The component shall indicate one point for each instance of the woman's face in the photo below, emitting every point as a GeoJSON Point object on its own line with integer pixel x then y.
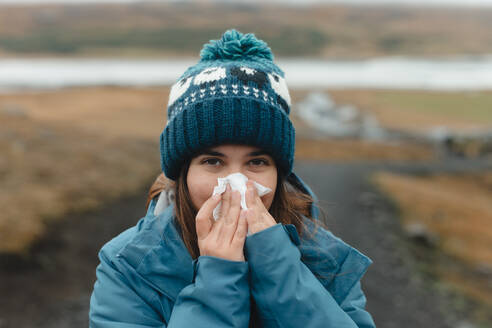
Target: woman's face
{"type": "Point", "coordinates": [220, 161]}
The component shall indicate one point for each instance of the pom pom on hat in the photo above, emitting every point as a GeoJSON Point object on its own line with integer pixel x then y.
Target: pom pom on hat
{"type": "Point", "coordinates": [236, 45]}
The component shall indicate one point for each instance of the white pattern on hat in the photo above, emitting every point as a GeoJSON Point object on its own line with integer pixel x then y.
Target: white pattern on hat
{"type": "Point", "coordinates": [178, 89]}
{"type": "Point", "coordinates": [247, 70]}
{"type": "Point", "coordinates": [278, 84]}
{"type": "Point", "coordinates": [209, 75]}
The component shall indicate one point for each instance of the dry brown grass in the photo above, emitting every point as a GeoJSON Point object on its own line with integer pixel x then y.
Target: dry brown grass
{"type": "Point", "coordinates": [357, 150]}
{"type": "Point", "coordinates": [72, 150]}
{"type": "Point", "coordinates": [76, 148]}
{"type": "Point", "coordinates": [458, 209]}
{"type": "Point", "coordinates": [112, 111]}
{"type": "Point", "coordinates": [48, 169]}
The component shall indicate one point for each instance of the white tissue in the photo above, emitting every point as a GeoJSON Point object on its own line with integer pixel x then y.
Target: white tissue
{"type": "Point", "coordinates": [237, 181]}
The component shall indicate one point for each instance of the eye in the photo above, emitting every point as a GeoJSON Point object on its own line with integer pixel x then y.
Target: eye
{"type": "Point", "coordinates": [259, 162]}
{"type": "Point", "coordinates": [211, 161]}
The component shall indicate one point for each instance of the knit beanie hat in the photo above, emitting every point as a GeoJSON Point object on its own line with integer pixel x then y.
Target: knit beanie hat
{"type": "Point", "coordinates": [234, 94]}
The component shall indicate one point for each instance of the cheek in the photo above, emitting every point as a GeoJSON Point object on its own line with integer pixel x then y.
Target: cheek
{"type": "Point", "coordinates": [268, 199]}
{"type": "Point", "coordinates": [200, 187]}
{"type": "Point", "coordinates": [269, 181]}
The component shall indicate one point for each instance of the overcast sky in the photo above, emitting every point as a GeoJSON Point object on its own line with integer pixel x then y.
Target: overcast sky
{"type": "Point", "coordinates": [465, 3]}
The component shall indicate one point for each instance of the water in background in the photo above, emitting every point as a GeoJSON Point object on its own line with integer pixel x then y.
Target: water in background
{"type": "Point", "coordinates": [453, 73]}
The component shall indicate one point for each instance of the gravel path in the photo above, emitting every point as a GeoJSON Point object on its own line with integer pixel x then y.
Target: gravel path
{"type": "Point", "coordinates": [53, 288]}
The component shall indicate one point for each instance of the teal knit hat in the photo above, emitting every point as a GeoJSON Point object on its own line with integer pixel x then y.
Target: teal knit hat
{"type": "Point", "coordinates": [234, 94]}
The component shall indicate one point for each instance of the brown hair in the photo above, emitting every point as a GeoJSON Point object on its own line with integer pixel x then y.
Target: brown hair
{"type": "Point", "coordinates": [288, 207]}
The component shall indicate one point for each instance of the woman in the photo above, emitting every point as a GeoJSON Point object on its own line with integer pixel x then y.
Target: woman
{"type": "Point", "coordinates": [179, 267]}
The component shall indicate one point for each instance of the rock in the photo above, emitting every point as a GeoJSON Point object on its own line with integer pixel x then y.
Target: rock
{"type": "Point", "coordinates": [347, 113]}
{"type": "Point", "coordinates": [439, 133]}
{"type": "Point", "coordinates": [320, 111]}
{"type": "Point", "coordinates": [419, 232]}
{"type": "Point", "coordinates": [371, 130]}
{"type": "Point", "coordinates": [368, 199]}
{"type": "Point", "coordinates": [465, 324]}
{"type": "Point", "coordinates": [484, 269]}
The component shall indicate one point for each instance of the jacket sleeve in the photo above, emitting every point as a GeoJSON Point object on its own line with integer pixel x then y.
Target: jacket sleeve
{"type": "Point", "coordinates": [218, 297]}
{"type": "Point", "coordinates": [289, 295]}
{"type": "Point", "coordinates": [354, 305]}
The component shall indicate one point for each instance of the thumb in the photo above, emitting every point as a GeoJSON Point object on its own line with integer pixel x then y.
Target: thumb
{"type": "Point", "coordinates": [203, 221]}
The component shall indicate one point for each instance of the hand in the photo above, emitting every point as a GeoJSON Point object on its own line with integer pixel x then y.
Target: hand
{"type": "Point", "coordinates": [257, 215]}
{"type": "Point", "coordinates": [225, 237]}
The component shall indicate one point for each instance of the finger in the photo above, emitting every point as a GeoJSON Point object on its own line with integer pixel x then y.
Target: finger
{"type": "Point", "coordinates": [255, 202]}
{"type": "Point", "coordinates": [203, 220]}
{"type": "Point", "coordinates": [241, 230]}
{"type": "Point", "coordinates": [226, 204]}
{"type": "Point", "coordinates": [226, 201]}
{"type": "Point", "coordinates": [251, 204]}
{"type": "Point", "coordinates": [229, 225]}
{"type": "Point", "coordinates": [252, 219]}
{"type": "Point", "coordinates": [235, 208]}
{"type": "Point", "coordinates": [250, 197]}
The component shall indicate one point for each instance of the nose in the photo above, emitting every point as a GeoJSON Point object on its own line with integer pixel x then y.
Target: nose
{"type": "Point", "coordinates": [235, 168]}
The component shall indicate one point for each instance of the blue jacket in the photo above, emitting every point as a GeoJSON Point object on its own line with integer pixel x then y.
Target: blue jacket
{"type": "Point", "coordinates": [147, 278]}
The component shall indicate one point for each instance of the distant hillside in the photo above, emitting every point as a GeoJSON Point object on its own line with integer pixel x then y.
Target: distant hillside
{"type": "Point", "coordinates": [180, 29]}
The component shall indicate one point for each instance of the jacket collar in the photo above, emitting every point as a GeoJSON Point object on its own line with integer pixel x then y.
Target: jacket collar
{"type": "Point", "coordinates": [158, 254]}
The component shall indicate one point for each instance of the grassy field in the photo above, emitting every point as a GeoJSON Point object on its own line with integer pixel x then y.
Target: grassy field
{"type": "Point", "coordinates": [75, 149]}
{"type": "Point", "coordinates": [71, 151]}
{"type": "Point", "coordinates": [176, 29]}
{"type": "Point", "coordinates": [355, 150]}
{"type": "Point", "coordinates": [458, 211]}
{"type": "Point", "coordinates": [419, 111]}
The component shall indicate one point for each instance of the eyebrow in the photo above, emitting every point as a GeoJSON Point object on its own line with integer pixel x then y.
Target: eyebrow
{"type": "Point", "coordinates": [216, 153]}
